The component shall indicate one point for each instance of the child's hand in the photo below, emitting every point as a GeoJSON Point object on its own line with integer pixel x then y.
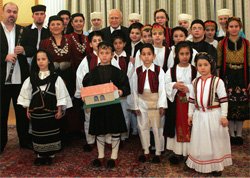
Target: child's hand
{"type": "Point", "coordinates": [190, 121]}
{"type": "Point", "coordinates": [178, 85]}
{"type": "Point", "coordinates": [59, 113]}
{"type": "Point", "coordinates": [162, 111]}
{"type": "Point", "coordinates": [224, 121]}
{"type": "Point", "coordinates": [28, 113]}
{"type": "Point", "coordinates": [132, 60]}
{"type": "Point", "coordinates": [184, 89]}
{"type": "Point", "coordinates": [83, 99]}
{"type": "Point", "coordinates": [138, 112]}
{"type": "Point", "coordinates": [120, 92]}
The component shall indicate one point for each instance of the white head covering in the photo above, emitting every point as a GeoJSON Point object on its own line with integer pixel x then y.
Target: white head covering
{"type": "Point", "coordinates": [134, 16]}
{"type": "Point", "coordinates": [224, 12]}
{"type": "Point", "coordinates": [95, 15]}
{"type": "Point", "coordinates": [185, 17]}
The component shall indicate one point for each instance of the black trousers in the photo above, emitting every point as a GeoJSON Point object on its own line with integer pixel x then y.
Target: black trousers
{"type": "Point", "coordinates": [9, 92]}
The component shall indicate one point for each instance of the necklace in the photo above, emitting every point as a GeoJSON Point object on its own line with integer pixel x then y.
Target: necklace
{"type": "Point", "coordinates": [80, 47]}
{"type": "Point", "coordinates": [60, 51]}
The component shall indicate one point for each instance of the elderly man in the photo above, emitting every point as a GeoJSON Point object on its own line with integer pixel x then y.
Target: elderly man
{"type": "Point", "coordinates": [14, 70]}
{"type": "Point", "coordinates": [35, 32]}
{"type": "Point", "coordinates": [115, 20]}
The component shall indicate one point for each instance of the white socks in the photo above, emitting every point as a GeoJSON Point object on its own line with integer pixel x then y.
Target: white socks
{"type": "Point", "coordinates": [235, 126]}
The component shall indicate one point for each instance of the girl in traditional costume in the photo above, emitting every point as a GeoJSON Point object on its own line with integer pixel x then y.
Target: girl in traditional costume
{"type": "Point", "coordinates": [233, 63]}
{"type": "Point", "coordinates": [210, 149]}
{"type": "Point", "coordinates": [178, 85]}
{"type": "Point", "coordinates": [46, 98]}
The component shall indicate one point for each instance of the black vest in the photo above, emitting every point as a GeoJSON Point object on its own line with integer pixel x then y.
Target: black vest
{"type": "Point", "coordinates": [44, 100]}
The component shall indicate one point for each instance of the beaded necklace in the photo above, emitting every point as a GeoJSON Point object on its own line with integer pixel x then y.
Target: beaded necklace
{"type": "Point", "coordinates": [60, 51]}
{"type": "Point", "coordinates": [80, 47]}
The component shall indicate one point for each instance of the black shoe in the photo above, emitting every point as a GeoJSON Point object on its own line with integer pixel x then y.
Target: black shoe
{"type": "Point", "coordinates": [186, 168]}
{"type": "Point", "coordinates": [48, 161]}
{"type": "Point", "coordinates": [111, 163]}
{"type": "Point", "coordinates": [143, 158]}
{"type": "Point", "coordinates": [156, 159]}
{"type": "Point", "coordinates": [233, 140]}
{"type": "Point", "coordinates": [39, 161]}
{"type": "Point", "coordinates": [175, 159]}
{"type": "Point", "coordinates": [97, 163]}
{"type": "Point", "coordinates": [216, 173]}
{"type": "Point", "coordinates": [87, 148]}
{"type": "Point", "coordinates": [27, 146]}
{"type": "Point", "coordinates": [239, 141]}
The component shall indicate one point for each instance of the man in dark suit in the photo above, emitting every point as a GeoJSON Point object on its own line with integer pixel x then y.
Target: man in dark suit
{"type": "Point", "coordinates": [35, 32]}
{"type": "Point", "coordinates": [11, 53]}
{"type": "Point", "coordinates": [115, 20]}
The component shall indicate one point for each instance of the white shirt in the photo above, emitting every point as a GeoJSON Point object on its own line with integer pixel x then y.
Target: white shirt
{"type": "Point", "coordinates": [133, 47]}
{"type": "Point", "coordinates": [11, 37]}
{"type": "Point", "coordinates": [137, 102]}
{"type": "Point", "coordinates": [112, 29]}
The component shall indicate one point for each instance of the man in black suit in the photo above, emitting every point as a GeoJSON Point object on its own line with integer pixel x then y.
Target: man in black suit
{"type": "Point", "coordinates": [35, 32]}
{"type": "Point", "coordinates": [115, 20]}
{"type": "Point", "coordinates": [11, 52]}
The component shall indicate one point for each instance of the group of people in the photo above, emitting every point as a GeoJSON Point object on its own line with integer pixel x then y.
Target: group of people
{"type": "Point", "coordinates": [167, 79]}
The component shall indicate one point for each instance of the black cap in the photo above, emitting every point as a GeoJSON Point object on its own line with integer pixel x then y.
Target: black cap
{"type": "Point", "coordinates": [38, 8]}
{"type": "Point", "coordinates": [62, 12]}
{"type": "Point", "coordinates": [53, 18]}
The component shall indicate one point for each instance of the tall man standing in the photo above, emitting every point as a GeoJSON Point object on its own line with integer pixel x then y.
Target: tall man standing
{"type": "Point", "coordinates": [12, 61]}
{"type": "Point", "coordinates": [35, 32]}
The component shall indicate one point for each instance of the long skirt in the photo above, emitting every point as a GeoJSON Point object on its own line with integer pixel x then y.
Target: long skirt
{"type": "Point", "coordinates": [210, 148]}
{"type": "Point", "coordinates": [45, 133]}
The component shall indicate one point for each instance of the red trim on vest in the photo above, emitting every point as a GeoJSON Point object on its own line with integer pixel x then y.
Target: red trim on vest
{"type": "Point", "coordinates": [152, 77]}
{"type": "Point", "coordinates": [93, 61]}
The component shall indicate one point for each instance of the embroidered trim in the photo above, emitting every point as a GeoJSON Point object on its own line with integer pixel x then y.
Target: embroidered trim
{"type": "Point", "coordinates": [223, 100]}
{"type": "Point", "coordinates": [211, 161]}
{"type": "Point", "coordinates": [80, 47]}
{"type": "Point", "coordinates": [60, 51]}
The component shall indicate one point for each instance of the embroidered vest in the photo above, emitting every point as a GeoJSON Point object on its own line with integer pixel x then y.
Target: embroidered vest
{"type": "Point", "coordinates": [92, 61]}
{"type": "Point", "coordinates": [213, 100]}
{"type": "Point", "coordinates": [224, 44]}
{"type": "Point", "coordinates": [44, 100]}
{"type": "Point", "coordinates": [152, 78]}
{"type": "Point", "coordinates": [123, 63]}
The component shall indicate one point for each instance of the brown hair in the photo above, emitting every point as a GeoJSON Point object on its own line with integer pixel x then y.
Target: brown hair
{"type": "Point", "coordinates": [237, 19]}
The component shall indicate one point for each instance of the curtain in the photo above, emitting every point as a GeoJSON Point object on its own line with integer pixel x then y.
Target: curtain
{"type": "Point", "coordinates": [202, 9]}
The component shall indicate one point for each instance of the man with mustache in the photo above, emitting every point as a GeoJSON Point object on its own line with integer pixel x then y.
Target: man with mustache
{"type": "Point", "coordinates": [12, 52]}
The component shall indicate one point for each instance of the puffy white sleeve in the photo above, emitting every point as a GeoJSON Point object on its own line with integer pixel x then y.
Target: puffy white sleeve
{"type": "Point", "coordinates": [170, 91]}
{"type": "Point", "coordinates": [171, 59]}
{"type": "Point", "coordinates": [223, 99]}
{"type": "Point", "coordinates": [162, 101]}
{"type": "Point", "coordinates": [138, 61]}
{"type": "Point", "coordinates": [82, 70]}
{"type": "Point", "coordinates": [134, 92]}
{"type": "Point", "coordinates": [194, 54]}
{"type": "Point", "coordinates": [25, 95]}
{"type": "Point", "coordinates": [131, 70]}
{"type": "Point", "coordinates": [62, 94]}
{"type": "Point", "coordinates": [191, 105]}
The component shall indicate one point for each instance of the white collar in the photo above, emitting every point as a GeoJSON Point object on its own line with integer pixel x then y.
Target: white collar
{"type": "Point", "coordinates": [43, 74]}
{"type": "Point", "coordinates": [5, 28]}
{"type": "Point", "coordinates": [112, 29]}
{"type": "Point", "coordinates": [34, 26]}
{"type": "Point", "coordinates": [152, 67]}
{"type": "Point", "coordinates": [122, 54]}
{"type": "Point", "coordinates": [134, 44]}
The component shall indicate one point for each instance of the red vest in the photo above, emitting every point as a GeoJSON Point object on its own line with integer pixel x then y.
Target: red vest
{"type": "Point", "coordinates": [152, 78]}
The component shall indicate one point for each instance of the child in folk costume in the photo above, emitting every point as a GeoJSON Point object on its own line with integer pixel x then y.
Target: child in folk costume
{"type": "Point", "coordinates": [233, 63]}
{"type": "Point", "coordinates": [149, 102]}
{"type": "Point", "coordinates": [178, 85]}
{"type": "Point", "coordinates": [88, 64]}
{"type": "Point", "coordinates": [178, 34]}
{"type": "Point", "coordinates": [107, 119]}
{"type": "Point", "coordinates": [146, 35]}
{"type": "Point", "coordinates": [210, 32]}
{"type": "Point", "coordinates": [210, 149]}
{"type": "Point", "coordinates": [120, 55]}
{"type": "Point", "coordinates": [161, 50]}
{"type": "Point", "coordinates": [46, 98]}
